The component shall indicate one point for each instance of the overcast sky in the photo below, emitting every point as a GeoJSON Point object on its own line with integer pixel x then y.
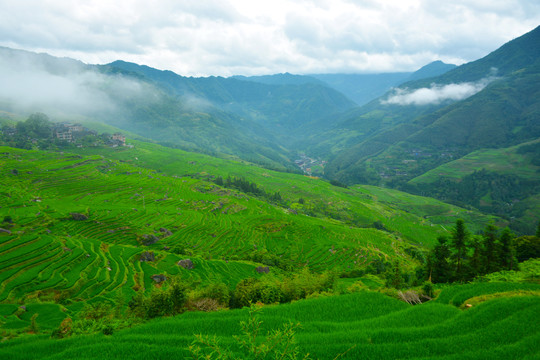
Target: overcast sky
{"type": "Point", "coordinates": [252, 37]}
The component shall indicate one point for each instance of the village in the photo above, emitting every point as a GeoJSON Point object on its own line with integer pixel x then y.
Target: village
{"type": "Point", "coordinates": [310, 166]}
{"type": "Point", "coordinates": [73, 132]}
{"type": "Point", "coordinates": [38, 132]}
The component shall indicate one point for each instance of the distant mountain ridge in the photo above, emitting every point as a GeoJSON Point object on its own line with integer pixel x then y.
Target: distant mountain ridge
{"type": "Point", "coordinates": [361, 88]}
{"type": "Point", "coordinates": [392, 143]}
{"type": "Point", "coordinates": [281, 106]}
{"type": "Point", "coordinates": [495, 116]}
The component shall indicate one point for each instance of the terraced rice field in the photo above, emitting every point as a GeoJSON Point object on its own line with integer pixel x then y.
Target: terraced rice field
{"type": "Point", "coordinates": [50, 256]}
{"type": "Point", "coordinates": [417, 219]}
{"type": "Point", "coordinates": [365, 325]}
{"type": "Point", "coordinates": [52, 264]}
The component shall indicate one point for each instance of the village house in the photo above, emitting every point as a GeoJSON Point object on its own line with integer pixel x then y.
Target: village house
{"type": "Point", "coordinates": [9, 131]}
{"type": "Point", "coordinates": [63, 132]}
{"type": "Point", "coordinates": [119, 139]}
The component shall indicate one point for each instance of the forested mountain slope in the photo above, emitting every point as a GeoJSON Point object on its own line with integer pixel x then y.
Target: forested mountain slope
{"type": "Point", "coordinates": [282, 107]}
{"type": "Point", "coordinates": [416, 128]}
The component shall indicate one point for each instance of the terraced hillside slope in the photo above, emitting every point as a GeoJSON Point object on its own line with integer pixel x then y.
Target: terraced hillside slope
{"type": "Point", "coordinates": [419, 127]}
{"type": "Point", "coordinates": [80, 224]}
{"type": "Point", "coordinates": [363, 325]}
{"type": "Point", "coordinates": [503, 181]}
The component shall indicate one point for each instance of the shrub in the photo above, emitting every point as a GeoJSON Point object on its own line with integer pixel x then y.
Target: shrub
{"type": "Point", "coordinates": [219, 292]}
{"type": "Point", "coordinates": [276, 344]}
{"type": "Point", "coordinates": [107, 330]}
{"type": "Point", "coordinates": [64, 330]}
{"type": "Point", "coordinates": [245, 293]}
{"type": "Point", "coordinates": [428, 289]}
{"type": "Point", "coordinates": [160, 302]}
{"type": "Point", "coordinates": [410, 297]}
{"type": "Point", "coordinates": [357, 286]}
{"type": "Point", "coordinates": [338, 183]}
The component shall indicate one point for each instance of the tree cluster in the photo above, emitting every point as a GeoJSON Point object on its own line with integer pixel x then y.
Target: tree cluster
{"type": "Point", "coordinates": [161, 302]}
{"type": "Point", "coordinates": [38, 131]}
{"type": "Point", "coordinates": [502, 191]}
{"type": "Point", "coordinates": [37, 128]}
{"type": "Point", "coordinates": [248, 187]}
{"type": "Point", "coordinates": [270, 290]}
{"type": "Point", "coordinates": [462, 257]}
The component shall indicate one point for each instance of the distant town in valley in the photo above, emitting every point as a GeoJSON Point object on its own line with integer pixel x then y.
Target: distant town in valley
{"type": "Point", "coordinates": [39, 132]}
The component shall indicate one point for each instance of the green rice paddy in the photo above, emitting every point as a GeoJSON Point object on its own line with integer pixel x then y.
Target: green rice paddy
{"type": "Point", "coordinates": [81, 222]}
{"type": "Point", "coordinates": [369, 325]}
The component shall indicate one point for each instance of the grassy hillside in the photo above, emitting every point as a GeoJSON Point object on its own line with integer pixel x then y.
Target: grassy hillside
{"type": "Point", "coordinates": [501, 181]}
{"type": "Point", "coordinates": [81, 224]}
{"type": "Point", "coordinates": [360, 206]}
{"type": "Point", "coordinates": [362, 325]}
{"type": "Point", "coordinates": [128, 209]}
{"type": "Point", "coordinates": [391, 144]}
{"type": "Point", "coordinates": [506, 161]}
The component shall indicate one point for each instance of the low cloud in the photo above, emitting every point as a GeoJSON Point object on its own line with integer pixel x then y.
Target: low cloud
{"type": "Point", "coordinates": [65, 87]}
{"type": "Point", "coordinates": [436, 93]}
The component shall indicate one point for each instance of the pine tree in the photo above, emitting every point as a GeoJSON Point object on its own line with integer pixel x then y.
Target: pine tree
{"type": "Point", "coordinates": [507, 252]}
{"type": "Point", "coordinates": [459, 243]}
{"type": "Point", "coordinates": [490, 249]}
{"type": "Point", "coordinates": [219, 181]}
{"type": "Point", "coordinates": [441, 269]}
{"type": "Point", "coordinates": [475, 262]}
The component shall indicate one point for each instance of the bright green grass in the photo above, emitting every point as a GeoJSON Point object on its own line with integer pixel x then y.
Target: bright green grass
{"type": "Point", "coordinates": [360, 203]}
{"type": "Point", "coordinates": [218, 222]}
{"type": "Point", "coordinates": [51, 257]}
{"type": "Point", "coordinates": [49, 315]}
{"type": "Point", "coordinates": [373, 325]}
{"type": "Point", "coordinates": [458, 294]}
{"type": "Point", "coordinates": [502, 161]}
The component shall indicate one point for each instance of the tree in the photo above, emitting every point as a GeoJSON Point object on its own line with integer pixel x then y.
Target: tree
{"type": "Point", "coordinates": [245, 292]}
{"type": "Point", "coordinates": [441, 270]}
{"type": "Point", "coordinates": [459, 243]}
{"type": "Point", "coordinates": [160, 302]}
{"type": "Point", "coordinates": [527, 247]}
{"type": "Point", "coordinates": [38, 126]}
{"type": "Point", "coordinates": [476, 265]}
{"type": "Point", "coordinates": [393, 277]}
{"type": "Point", "coordinates": [490, 249]}
{"type": "Point", "coordinates": [507, 252]}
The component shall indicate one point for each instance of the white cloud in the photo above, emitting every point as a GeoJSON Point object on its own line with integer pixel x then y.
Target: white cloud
{"type": "Point", "coordinates": [216, 37]}
{"type": "Point", "coordinates": [31, 85]}
{"type": "Point", "coordinates": [436, 94]}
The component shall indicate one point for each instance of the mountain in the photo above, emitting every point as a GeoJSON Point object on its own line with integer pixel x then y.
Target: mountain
{"type": "Point", "coordinates": [489, 103]}
{"type": "Point", "coordinates": [362, 88]}
{"type": "Point", "coordinates": [281, 79]}
{"type": "Point", "coordinates": [435, 68]}
{"type": "Point", "coordinates": [69, 90]}
{"type": "Point", "coordinates": [403, 113]}
{"type": "Point", "coordinates": [438, 114]}
{"type": "Point", "coordinates": [278, 104]}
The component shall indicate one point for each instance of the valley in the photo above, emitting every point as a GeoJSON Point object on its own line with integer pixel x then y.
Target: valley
{"type": "Point", "coordinates": [146, 214]}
